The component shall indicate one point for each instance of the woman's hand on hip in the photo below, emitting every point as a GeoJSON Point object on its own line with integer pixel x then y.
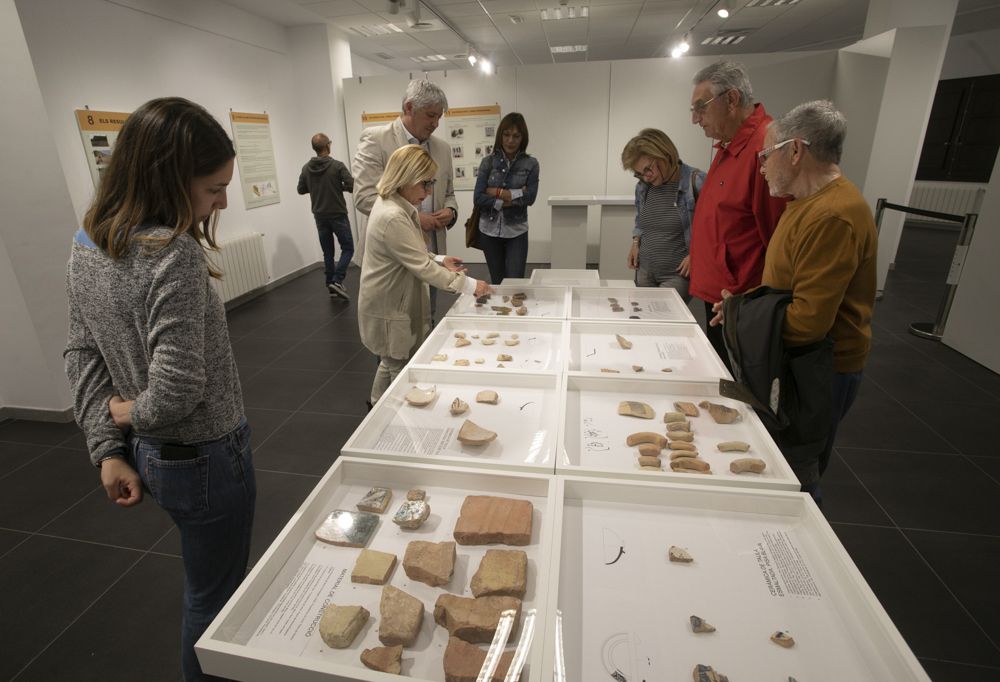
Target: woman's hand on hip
{"type": "Point", "coordinates": [121, 482]}
{"type": "Point", "coordinates": [684, 269]}
{"type": "Point", "coordinates": [121, 412]}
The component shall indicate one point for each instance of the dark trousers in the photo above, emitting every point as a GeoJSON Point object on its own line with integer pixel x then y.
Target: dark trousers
{"type": "Point", "coordinates": [714, 335]}
{"type": "Point", "coordinates": [330, 225]}
{"type": "Point", "coordinates": [845, 388]}
{"type": "Point", "coordinates": [505, 257]}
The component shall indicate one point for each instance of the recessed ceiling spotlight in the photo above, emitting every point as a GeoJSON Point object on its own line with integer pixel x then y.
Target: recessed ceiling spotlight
{"type": "Point", "coordinates": [486, 66]}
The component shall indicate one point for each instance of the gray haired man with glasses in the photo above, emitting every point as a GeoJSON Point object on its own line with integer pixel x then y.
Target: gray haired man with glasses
{"type": "Point", "coordinates": [735, 214]}
{"type": "Point", "coordinates": [823, 251]}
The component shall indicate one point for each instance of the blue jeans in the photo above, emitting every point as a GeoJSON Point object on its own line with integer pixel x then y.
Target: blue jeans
{"type": "Point", "coordinates": [845, 387]}
{"type": "Point", "coordinates": [505, 256]}
{"type": "Point", "coordinates": [330, 225]}
{"type": "Point", "coordinates": [210, 498]}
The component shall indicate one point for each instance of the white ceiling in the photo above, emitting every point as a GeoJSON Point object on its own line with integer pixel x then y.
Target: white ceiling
{"type": "Point", "coordinates": [615, 29]}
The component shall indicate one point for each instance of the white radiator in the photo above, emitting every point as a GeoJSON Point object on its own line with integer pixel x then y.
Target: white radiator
{"type": "Point", "coordinates": [957, 198]}
{"type": "Point", "coordinates": [241, 259]}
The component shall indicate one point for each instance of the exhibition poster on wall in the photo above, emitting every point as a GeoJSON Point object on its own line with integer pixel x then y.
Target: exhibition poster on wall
{"type": "Point", "coordinates": [380, 119]}
{"type": "Point", "coordinates": [470, 131]}
{"type": "Point", "coordinates": [255, 155]}
{"type": "Point", "coordinates": [99, 130]}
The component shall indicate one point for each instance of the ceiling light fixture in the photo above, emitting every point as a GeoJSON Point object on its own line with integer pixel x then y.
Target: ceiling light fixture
{"type": "Point", "coordinates": [486, 66]}
{"type": "Point", "coordinates": [723, 10]}
{"type": "Point", "coordinates": [684, 45]}
{"type": "Point", "coordinates": [472, 59]}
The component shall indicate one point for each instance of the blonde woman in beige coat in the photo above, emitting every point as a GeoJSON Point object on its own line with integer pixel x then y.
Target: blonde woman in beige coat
{"type": "Point", "coordinates": [394, 303]}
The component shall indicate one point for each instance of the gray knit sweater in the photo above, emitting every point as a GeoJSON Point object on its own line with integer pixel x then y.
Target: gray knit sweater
{"type": "Point", "coordinates": [149, 328]}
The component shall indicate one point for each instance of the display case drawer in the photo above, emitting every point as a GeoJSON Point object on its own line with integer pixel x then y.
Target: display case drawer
{"type": "Point", "coordinates": [267, 631]}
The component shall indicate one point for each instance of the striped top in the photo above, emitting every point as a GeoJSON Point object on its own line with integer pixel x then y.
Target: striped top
{"type": "Point", "coordinates": [662, 247]}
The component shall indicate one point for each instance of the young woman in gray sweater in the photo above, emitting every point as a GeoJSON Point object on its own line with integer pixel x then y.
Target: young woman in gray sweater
{"type": "Point", "coordinates": [148, 357]}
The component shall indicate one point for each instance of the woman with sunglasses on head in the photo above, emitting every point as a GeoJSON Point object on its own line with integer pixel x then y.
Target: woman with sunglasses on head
{"type": "Point", "coordinates": [665, 196]}
{"type": "Point", "coordinates": [506, 185]}
{"type": "Point", "coordinates": [394, 301]}
{"type": "Point", "coordinates": [154, 381]}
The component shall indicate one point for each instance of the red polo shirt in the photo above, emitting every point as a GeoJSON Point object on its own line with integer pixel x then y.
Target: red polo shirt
{"type": "Point", "coordinates": [734, 217]}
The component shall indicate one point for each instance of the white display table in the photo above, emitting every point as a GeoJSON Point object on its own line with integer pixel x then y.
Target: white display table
{"type": "Point", "coordinates": [569, 231]}
{"type": "Point", "coordinates": [762, 562]}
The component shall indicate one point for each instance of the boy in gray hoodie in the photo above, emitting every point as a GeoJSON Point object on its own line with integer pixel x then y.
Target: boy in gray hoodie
{"type": "Point", "coordinates": [325, 180]}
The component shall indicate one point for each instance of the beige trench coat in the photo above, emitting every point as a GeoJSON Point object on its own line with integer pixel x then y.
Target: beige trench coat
{"type": "Point", "coordinates": [394, 308]}
{"type": "Point", "coordinates": [376, 146]}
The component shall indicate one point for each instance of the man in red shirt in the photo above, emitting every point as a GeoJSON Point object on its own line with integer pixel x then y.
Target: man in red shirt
{"type": "Point", "coordinates": [735, 214]}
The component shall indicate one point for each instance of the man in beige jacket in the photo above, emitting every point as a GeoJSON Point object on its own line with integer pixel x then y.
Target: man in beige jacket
{"type": "Point", "coordinates": [423, 106]}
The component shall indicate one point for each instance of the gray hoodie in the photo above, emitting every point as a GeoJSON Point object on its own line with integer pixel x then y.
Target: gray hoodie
{"type": "Point", "coordinates": [325, 180]}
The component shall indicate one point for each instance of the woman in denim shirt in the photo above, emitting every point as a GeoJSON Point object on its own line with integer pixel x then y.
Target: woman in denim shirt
{"type": "Point", "coordinates": [665, 195]}
{"type": "Point", "coordinates": [506, 185]}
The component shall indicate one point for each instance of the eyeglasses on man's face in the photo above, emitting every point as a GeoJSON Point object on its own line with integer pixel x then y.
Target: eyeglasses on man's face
{"type": "Point", "coordinates": [700, 108]}
{"type": "Point", "coordinates": [428, 185]}
{"type": "Point", "coordinates": [645, 172]}
{"type": "Point", "coordinates": [764, 153]}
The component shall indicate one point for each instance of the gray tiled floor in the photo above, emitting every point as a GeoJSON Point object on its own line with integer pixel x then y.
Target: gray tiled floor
{"type": "Point", "coordinates": [92, 591]}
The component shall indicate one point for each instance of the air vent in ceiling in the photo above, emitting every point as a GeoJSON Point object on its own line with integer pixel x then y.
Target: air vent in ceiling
{"type": "Point", "coordinates": [516, 19]}
{"type": "Point", "coordinates": [725, 38]}
{"type": "Point", "coordinates": [558, 49]}
{"type": "Point", "coordinates": [771, 3]}
{"type": "Point", "coordinates": [430, 58]}
{"type": "Point", "coordinates": [374, 30]}
{"type": "Point", "coordinates": [384, 55]}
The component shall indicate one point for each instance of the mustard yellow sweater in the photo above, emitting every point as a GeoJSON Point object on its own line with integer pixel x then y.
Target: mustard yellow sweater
{"type": "Point", "coordinates": [824, 250]}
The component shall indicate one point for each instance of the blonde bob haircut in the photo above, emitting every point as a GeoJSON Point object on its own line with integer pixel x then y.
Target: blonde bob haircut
{"type": "Point", "coordinates": [652, 143]}
{"type": "Point", "coordinates": [407, 166]}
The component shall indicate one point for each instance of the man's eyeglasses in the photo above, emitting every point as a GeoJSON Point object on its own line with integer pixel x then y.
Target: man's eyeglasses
{"type": "Point", "coordinates": [641, 175]}
{"type": "Point", "coordinates": [700, 107]}
{"type": "Point", "coordinates": [764, 153]}
{"type": "Point", "coordinates": [428, 185]}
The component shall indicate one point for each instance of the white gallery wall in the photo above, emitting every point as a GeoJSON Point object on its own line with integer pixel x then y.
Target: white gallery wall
{"type": "Point", "coordinates": [35, 229]}
{"type": "Point", "coordinates": [115, 56]}
{"type": "Point", "coordinates": [580, 115]}
{"type": "Point", "coordinates": [211, 53]}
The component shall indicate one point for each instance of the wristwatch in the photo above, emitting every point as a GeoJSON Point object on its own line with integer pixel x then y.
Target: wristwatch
{"type": "Point", "coordinates": [454, 216]}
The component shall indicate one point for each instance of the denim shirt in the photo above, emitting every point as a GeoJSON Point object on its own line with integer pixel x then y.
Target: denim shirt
{"type": "Point", "coordinates": [691, 179]}
{"type": "Point", "coordinates": [496, 171]}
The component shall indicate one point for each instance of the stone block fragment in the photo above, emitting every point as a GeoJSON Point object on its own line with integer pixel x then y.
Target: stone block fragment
{"type": "Point", "coordinates": [485, 520]}
{"type": "Point", "coordinates": [373, 567]}
{"type": "Point", "coordinates": [339, 625]}
{"type": "Point", "coordinates": [474, 619]}
{"type": "Point", "coordinates": [400, 617]}
{"type": "Point", "coordinates": [463, 661]}
{"type": "Point", "coordinates": [502, 572]}
{"type": "Point", "coordinates": [386, 659]}
{"type": "Point", "coordinates": [431, 563]}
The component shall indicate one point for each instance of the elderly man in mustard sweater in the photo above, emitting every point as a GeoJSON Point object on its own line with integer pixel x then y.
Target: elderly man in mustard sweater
{"type": "Point", "coordinates": [823, 249]}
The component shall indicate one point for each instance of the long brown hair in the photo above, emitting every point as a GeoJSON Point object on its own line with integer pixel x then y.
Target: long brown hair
{"type": "Point", "coordinates": [162, 147]}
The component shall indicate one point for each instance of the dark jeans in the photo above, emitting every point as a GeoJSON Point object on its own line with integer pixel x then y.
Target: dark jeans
{"type": "Point", "coordinates": [505, 257]}
{"type": "Point", "coordinates": [845, 389]}
{"type": "Point", "coordinates": [714, 335]}
{"type": "Point", "coordinates": [210, 498]}
{"type": "Point", "coordinates": [337, 225]}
